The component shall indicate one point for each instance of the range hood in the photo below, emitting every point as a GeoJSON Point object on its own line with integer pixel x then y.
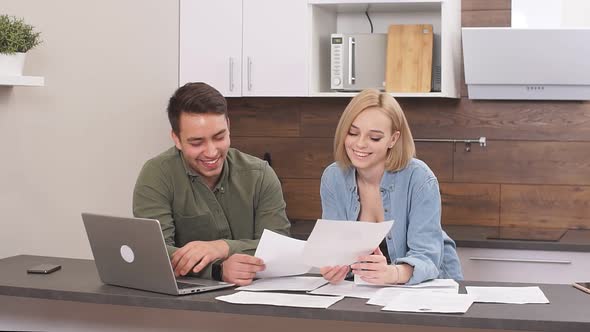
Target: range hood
{"type": "Point", "coordinates": [523, 63]}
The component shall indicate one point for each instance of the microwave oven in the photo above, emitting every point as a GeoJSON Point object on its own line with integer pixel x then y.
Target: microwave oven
{"type": "Point", "coordinates": [357, 61]}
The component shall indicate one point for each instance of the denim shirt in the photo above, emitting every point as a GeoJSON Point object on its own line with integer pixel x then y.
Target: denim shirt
{"type": "Point", "coordinates": [411, 198]}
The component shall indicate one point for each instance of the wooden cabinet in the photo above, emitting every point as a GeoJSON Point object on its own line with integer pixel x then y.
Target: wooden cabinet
{"type": "Point", "coordinates": [534, 266]}
{"type": "Point", "coordinates": [245, 47]}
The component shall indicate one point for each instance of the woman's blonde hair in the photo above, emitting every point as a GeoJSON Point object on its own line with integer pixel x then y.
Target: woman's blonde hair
{"type": "Point", "coordinates": [402, 152]}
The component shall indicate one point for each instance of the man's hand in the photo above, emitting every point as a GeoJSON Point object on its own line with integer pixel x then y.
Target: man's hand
{"type": "Point", "coordinates": [241, 269]}
{"type": "Point", "coordinates": [334, 274]}
{"type": "Point", "coordinates": [196, 255]}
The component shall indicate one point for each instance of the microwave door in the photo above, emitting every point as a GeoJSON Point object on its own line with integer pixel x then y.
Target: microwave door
{"type": "Point", "coordinates": [367, 61]}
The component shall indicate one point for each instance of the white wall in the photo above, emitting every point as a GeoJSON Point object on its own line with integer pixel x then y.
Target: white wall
{"type": "Point", "coordinates": [77, 143]}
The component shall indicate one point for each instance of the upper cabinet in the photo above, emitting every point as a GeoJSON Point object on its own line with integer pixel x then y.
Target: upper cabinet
{"type": "Point", "coordinates": [358, 18]}
{"type": "Point", "coordinates": [246, 47]}
{"type": "Point", "coordinates": [283, 47]}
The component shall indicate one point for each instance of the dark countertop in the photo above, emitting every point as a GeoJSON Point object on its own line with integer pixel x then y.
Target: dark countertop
{"type": "Point", "coordinates": [477, 237]}
{"type": "Point", "coordinates": [78, 281]}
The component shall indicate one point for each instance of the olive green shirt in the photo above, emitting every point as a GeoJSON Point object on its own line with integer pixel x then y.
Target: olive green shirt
{"type": "Point", "coordinates": [246, 200]}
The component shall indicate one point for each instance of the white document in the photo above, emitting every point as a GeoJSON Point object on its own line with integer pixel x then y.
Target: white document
{"type": "Point", "coordinates": [385, 295]}
{"type": "Point", "coordinates": [348, 289]}
{"type": "Point", "coordinates": [301, 284]}
{"type": "Point", "coordinates": [515, 295]}
{"type": "Point", "coordinates": [281, 254]}
{"type": "Point", "coordinates": [279, 299]}
{"type": "Point", "coordinates": [430, 302]}
{"type": "Point", "coordinates": [434, 283]}
{"type": "Point", "coordinates": [334, 242]}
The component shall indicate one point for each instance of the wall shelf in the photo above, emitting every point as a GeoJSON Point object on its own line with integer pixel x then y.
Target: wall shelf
{"type": "Point", "coordinates": [22, 80]}
{"type": "Point", "coordinates": [349, 16]}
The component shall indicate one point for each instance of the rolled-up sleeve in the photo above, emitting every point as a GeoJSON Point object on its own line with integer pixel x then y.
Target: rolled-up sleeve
{"type": "Point", "coordinates": [424, 235]}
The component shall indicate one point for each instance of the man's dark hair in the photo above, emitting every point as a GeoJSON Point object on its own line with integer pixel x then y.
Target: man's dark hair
{"type": "Point", "coordinates": [195, 98]}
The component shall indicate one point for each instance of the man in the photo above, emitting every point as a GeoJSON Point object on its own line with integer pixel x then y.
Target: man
{"type": "Point", "coordinates": [213, 202]}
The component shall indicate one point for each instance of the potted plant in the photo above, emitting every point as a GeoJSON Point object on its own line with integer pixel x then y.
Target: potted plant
{"type": "Point", "coordinates": [16, 38]}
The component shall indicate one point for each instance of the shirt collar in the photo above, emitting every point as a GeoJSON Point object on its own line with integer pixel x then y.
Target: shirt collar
{"type": "Point", "coordinates": [222, 178]}
{"type": "Point", "coordinates": [386, 181]}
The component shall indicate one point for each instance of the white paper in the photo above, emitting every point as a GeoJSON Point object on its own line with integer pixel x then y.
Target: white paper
{"type": "Point", "coordinates": [434, 283]}
{"type": "Point", "coordinates": [301, 284]}
{"type": "Point", "coordinates": [430, 302]}
{"type": "Point", "coordinates": [348, 289]}
{"type": "Point", "coordinates": [385, 295]}
{"type": "Point", "coordinates": [279, 299]}
{"type": "Point", "coordinates": [334, 242]}
{"type": "Point", "coordinates": [281, 254]}
{"type": "Point", "coordinates": [514, 295]}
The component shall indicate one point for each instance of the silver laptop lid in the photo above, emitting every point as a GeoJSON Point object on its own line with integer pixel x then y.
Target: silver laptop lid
{"type": "Point", "coordinates": [131, 252]}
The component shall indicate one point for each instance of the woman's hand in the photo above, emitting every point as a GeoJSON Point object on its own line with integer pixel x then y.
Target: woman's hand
{"type": "Point", "coordinates": [374, 269]}
{"type": "Point", "coordinates": [334, 274]}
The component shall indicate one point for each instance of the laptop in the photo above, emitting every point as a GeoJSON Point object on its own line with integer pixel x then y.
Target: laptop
{"type": "Point", "coordinates": [131, 252]}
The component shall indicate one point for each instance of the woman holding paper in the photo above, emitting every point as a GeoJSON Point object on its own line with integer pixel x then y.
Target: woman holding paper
{"type": "Point", "coordinates": [376, 178]}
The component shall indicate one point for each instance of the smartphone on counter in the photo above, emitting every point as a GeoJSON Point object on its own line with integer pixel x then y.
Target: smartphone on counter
{"type": "Point", "coordinates": [583, 286]}
{"type": "Point", "coordinates": [44, 268]}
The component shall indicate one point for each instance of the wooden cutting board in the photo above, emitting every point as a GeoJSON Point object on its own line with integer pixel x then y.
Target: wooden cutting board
{"type": "Point", "coordinates": [409, 58]}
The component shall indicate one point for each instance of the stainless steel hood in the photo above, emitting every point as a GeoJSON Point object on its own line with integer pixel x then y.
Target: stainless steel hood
{"type": "Point", "coordinates": [517, 63]}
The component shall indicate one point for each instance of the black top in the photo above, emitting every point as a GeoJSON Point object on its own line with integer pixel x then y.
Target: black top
{"type": "Point", "coordinates": [383, 248]}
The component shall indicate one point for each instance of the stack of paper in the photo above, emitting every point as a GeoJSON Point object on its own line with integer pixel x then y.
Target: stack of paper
{"type": "Point", "coordinates": [430, 302]}
{"type": "Point", "coordinates": [348, 289]}
{"type": "Point", "coordinates": [287, 300]}
{"type": "Point", "coordinates": [294, 284]}
{"type": "Point", "coordinates": [514, 295]}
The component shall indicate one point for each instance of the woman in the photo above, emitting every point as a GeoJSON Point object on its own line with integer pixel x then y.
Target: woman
{"type": "Point", "coordinates": [376, 178]}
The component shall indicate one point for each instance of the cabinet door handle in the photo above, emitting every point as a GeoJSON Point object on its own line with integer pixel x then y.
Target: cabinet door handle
{"type": "Point", "coordinates": [520, 260]}
{"type": "Point", "coordinates": [249, 74]}
{"type": "Point", "coordinates": [351, 60]}
{"type": "Point", "coordinates": [231, 74]}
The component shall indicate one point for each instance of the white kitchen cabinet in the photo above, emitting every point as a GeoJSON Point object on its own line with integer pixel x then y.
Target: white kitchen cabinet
{"type": "Point", "coordinates": [246, 47]}
{"type": "Point", "coordinates": [348, 16]}
{"type": "Point", "coordinates": [211, 44]}
{"type": "Point", "coordinates": [533, 266]}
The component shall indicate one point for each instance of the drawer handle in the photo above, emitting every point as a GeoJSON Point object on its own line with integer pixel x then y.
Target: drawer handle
{"type": "Point", "coordinates": [519, 260]}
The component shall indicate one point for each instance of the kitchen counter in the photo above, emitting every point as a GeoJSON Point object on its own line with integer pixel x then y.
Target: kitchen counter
{"type": "Point", "coordinates": [477, 237]}
{"type": "Point", "coordinates": [78, 282]}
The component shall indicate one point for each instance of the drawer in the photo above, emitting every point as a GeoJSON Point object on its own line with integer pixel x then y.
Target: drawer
{"type": "Point", "coordinates": [535, 266]}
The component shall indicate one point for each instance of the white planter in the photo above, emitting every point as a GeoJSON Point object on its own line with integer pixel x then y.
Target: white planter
{"type": "Point", "coordinates": [12, 64]}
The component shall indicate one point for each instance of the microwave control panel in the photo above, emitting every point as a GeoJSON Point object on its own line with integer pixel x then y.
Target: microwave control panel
{"type": "Point", "coordinates": [336, 62]}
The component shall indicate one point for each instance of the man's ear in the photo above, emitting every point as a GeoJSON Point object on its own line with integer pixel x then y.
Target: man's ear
{"type": "Point", "coordinates": [176, 140]}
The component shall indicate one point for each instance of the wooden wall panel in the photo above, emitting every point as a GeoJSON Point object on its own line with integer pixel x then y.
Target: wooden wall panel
{"type": "Point", "coordinates": [303, 198]}
{"type": "Point", "coordinates": [525, 163]}
{"type": "Point", "coordinates": [486, 18]}
{"type": "Point", "coordinates": [498, 120]}
{"type": "Point", "coordinates": [468, 5]}
{"type": "Point", "coordinates": [267, 117]}
{"type": "Point", "coordinates": [295, 158]}
{"type": "Point", "coordinates": [534, 172]}
{"type": "Point", "coordinates": [320, 116]}
{"type": "Point", "coordinates": [545, 206]}
{"type": "Point", "coordinates": [439, 157]}
{"type": "Point", "coordinates": [470, 204]}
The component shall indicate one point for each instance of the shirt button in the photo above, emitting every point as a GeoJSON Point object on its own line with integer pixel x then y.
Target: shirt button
{"type": "Point", "coordinates": [389, 237]}
{"type": "Point", "coordinates": [386, 210]}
